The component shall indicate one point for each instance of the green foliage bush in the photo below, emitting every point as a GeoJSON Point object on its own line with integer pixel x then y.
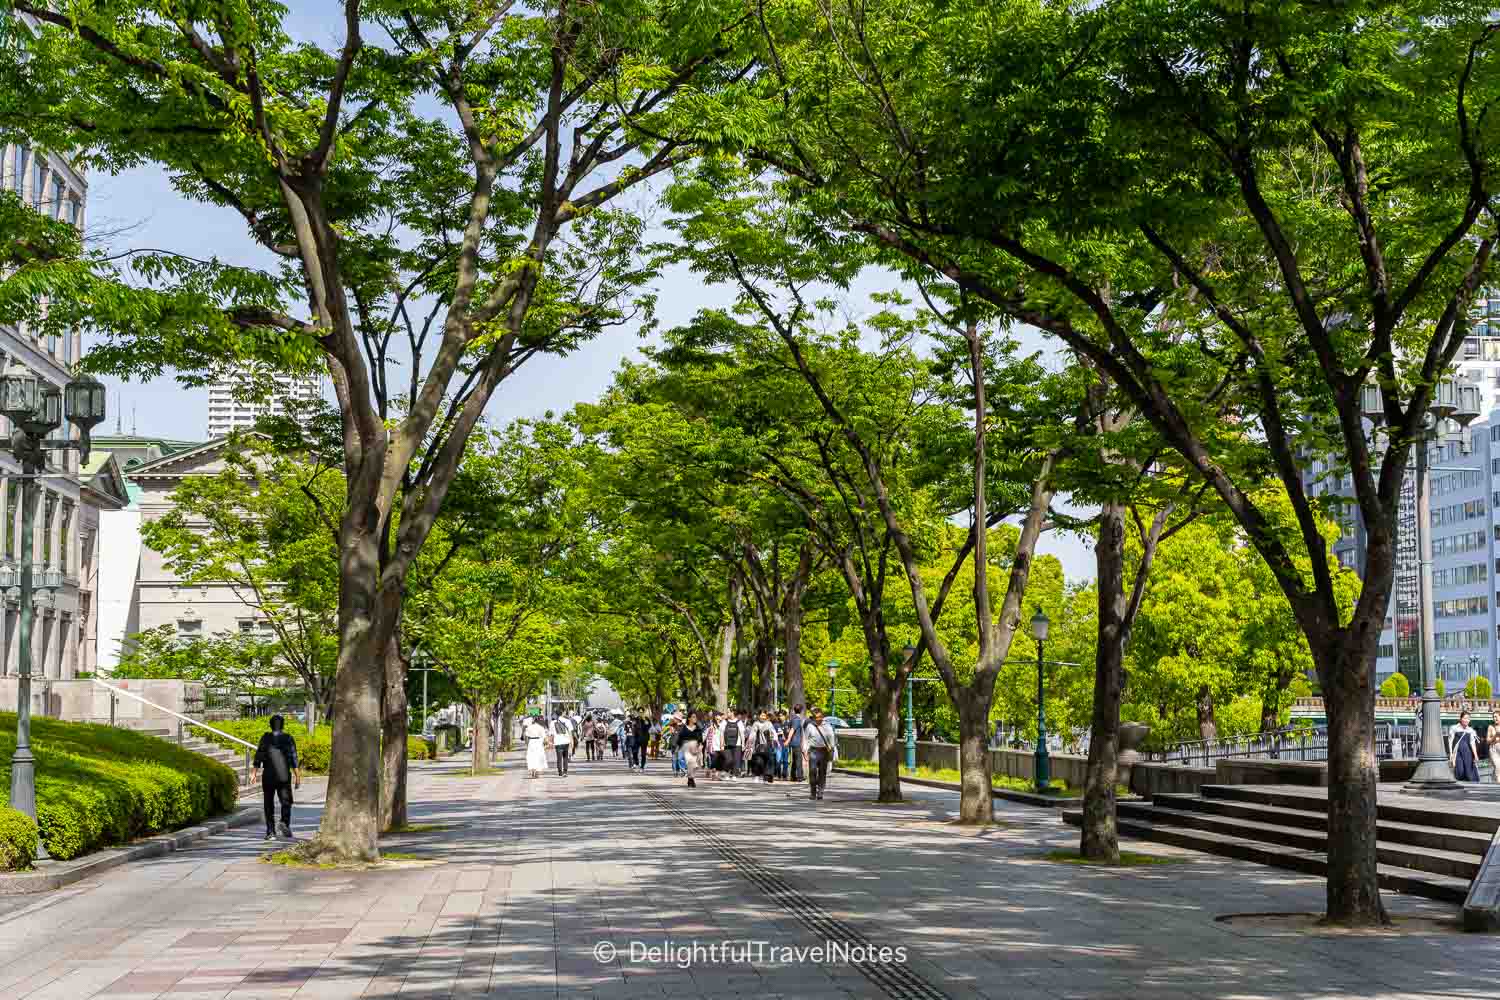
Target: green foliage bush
{"type": "Point", "coordinates": [312, 749]}
{"type": "Point", "coordinates": [97, 786]}
{"type": "Point", "coordinates": [1395, 686]}
{"type": "Point", "coordinates": [17, 840]}
{"type": "Point", "coordinates": [1478, 687]}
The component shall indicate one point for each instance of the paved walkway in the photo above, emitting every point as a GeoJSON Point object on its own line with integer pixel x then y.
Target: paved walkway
{"type": "Point", "coordinates": [543, 885]}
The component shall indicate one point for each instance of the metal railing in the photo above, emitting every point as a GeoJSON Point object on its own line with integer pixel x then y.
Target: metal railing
{"type": "Point", "coordinates": [1294, 743]}
{"type": "Point", "coordinates": [116, 693]}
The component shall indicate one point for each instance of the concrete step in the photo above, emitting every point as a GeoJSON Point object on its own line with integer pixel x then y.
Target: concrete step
{"type": "Point", "coordinates": [1431, 885]}
{"type": "Point", "coordinates": [1464, 865]}
{"type": "Point", "coordinates": [1422, 834]}
{"type": "Point", "coordinates": [1402, 811]}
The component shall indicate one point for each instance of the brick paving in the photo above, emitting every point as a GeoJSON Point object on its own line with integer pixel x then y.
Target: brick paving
{"type": "Point", "coordinates": [533, 878]}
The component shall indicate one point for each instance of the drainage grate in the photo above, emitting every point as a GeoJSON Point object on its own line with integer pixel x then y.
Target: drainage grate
{"type": "Point", "coordinates": [897, 981]}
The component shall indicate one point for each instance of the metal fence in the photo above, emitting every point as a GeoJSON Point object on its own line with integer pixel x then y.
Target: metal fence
{"type": "Point", "coordinates": [1295, 743]}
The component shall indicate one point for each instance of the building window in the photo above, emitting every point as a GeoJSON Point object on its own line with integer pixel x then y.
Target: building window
{"type": "Point", "coordinates": [1458, 576]}
{"type": "Point", "coordinates": [23, 170]}
{"type": "Point", "coordinates": [1385, 651]}
{"type": "Point", "coordinates": [12, 501]}
{"type": "Point", "coordinates": [189, 629]}
{"type": "Point", "coordinates": [1473, 638]}
{"type": "Point", "coordinates": [48, 512]}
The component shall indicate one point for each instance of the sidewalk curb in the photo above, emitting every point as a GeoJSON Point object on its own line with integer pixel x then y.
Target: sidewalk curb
{"type": "Point", "coordinates": [57, 874]}
{"type": "Point", "coordinates": [1024, 798]}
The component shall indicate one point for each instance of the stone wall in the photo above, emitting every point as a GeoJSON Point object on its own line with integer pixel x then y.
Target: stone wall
{"type": "Point", "coordinates": [85, 701]}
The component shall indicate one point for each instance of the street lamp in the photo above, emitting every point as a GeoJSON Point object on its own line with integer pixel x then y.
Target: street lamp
{"type": "Point", "coordinates": [833, 670]}
{"type": "Point", "coordinates": [1454, 405]}
{"type": "Point", "coordinates": [908, 652]}
{"type": "Point", "coordinates": [1039, 625]}
{"type": "Point", "coordinates": [35, 409]}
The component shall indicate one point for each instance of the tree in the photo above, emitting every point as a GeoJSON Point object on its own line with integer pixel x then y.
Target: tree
{"type": "Point", "coordinates": [1477, 687]}
{"type": "Point", "coordinates": [420, 191]}
{"type": "Point", "coordinates": [241, 663]}
{"type": "Point", "coordinates": [266, 527]}
{"type": "Point", "coordinates": [1313, 236]}
{"type": "Point", "coordinates": [1395, 686]}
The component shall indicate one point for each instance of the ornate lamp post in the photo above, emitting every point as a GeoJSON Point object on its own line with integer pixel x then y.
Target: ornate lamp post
{"type": "Point", "coordinates": [1454, 406]}
{"type": "Point", "coordinates": [34, 410]}
{"type": "Point", "coordinates": [1039, 625]}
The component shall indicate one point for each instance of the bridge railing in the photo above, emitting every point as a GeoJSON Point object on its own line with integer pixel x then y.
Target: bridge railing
{"type": "Point", "coordinates": [1296, 743]}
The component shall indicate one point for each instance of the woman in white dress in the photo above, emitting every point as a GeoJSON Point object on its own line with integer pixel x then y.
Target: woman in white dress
{"type": "Point", "coordinates": [536, 748]}
{"type": "Point", "coordinates": [1492, 738]}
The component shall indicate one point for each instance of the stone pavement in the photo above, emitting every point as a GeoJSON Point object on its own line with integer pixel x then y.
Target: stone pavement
{"type": "Point", "coordinates": [538, 889]}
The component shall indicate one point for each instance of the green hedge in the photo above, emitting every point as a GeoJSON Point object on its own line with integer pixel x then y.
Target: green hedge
{"type": "Point", "coordinates": [97, 786]}
{"type": "Point", "coordinates": [17, 840]}
{"type": "Point", "coordinates": [312, 751]}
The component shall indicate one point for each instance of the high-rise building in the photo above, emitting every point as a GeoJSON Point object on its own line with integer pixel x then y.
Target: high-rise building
{"type": "Point", "coordinates": [229, 410]}
{"type": "Point", "coordinates": [66, 528]}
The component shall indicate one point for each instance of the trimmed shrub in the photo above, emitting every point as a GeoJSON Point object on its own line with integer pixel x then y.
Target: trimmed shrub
{"type": "Point", "coordinates": [97, 786]}
{"type": "Point", "coordinates": [1479, 688]}
{"type": "Point", "coordinates": [1395, 686]}
{"type": "Point", "coordinates": [17, 840]}
{"type": "Point", "coordinates": [313, 749]}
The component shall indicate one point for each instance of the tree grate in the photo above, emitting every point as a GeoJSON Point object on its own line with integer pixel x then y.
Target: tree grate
{"type": "Point", "coordinates": [895, 980]}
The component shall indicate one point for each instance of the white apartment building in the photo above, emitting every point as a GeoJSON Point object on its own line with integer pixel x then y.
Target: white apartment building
{"type": "Point", "coordinates": [65, 532]}
{"type": "Point", "coordinates": [229, 411]}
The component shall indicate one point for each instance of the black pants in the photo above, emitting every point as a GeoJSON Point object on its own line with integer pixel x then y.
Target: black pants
{"type": "Point", "coordinates": [817, 779]}
{"type": "Point", "coordinates": [271, 791]}
{"type": "Point", "coordinates": [734, 759]}
{"type": "Point", "coordinates": [639, 757]}
{"type": "Point", "coordinates": [562, 759]}
{"type": "Point", "coordinates": [794, 763]}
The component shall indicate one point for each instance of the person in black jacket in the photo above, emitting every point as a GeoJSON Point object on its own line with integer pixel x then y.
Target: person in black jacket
{"type": "Point", "coordinates": [277, 770]}
{"type": "Point", "coordinates": [642, 737]}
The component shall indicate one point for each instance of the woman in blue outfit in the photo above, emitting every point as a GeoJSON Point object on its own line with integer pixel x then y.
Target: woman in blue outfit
{"type": "Point", "coordinates": [1463, 750]}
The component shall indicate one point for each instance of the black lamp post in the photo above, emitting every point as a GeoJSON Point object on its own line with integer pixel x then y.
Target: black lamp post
{"type": "Point", "coordinates": [1039, 624]}
{"type": "Point", "coordinates": [35, 409]}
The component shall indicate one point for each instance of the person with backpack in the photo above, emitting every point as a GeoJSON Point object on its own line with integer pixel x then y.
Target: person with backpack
{"type": "Point", "coordinates": [642, 732]}
{"type": "Point", "coordinates": [794, 743]}
{"type": "Point", "coordinates": [277, 770]}
{"type": "Point", "coordinates": [734, 739]}
{"type": "Point", "coordinates": [562, 742]}
{"type": "Point", "coordinates": [821, 747]}
{"type": "Point", "coordinates": [763, 744]}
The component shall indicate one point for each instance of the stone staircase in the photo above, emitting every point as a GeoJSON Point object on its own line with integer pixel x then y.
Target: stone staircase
{"type": "Point", "coordinates": [1425, 847]}
{"type": "Point", "coordinates": [232, 759]}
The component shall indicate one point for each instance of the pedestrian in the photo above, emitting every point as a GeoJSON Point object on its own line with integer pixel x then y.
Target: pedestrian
{"type": "Point", "coordinates": [642, 737]}
{"type": "Point", "coordinates": [1463, 750]}
{"type": "Point", "coordinates": [822, 748]}
{"type": "Point", "coordinates": [614, 740]}
{"type": "Point", "coordinates": [783, 729]}
{"type": "Point", "coordinates": [734, 740]}
{"type": "Point", "coordinates": [562, 742]}
{"type": "Point", "coordinates": [278, 772]}
{"type": "Point", "coordinates": [535, 735]}
{"type": "Point", "coordinates": [690, 744]}
{"type": "Point", "coordinates": [794, 743]}
{"type": "Point", "coordinates": [711, 747]}
{"type": "Point", "coordinates": [670, 739]}
{"type": "Point", "coordinates": [763, 743]}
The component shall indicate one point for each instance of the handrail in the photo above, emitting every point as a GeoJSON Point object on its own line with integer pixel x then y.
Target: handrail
{"type": "Point", "coordinates": [175, 715]}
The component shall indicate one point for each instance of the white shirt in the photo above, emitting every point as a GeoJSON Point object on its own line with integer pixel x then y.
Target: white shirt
{"type": "Point", "coordinates": [534, 731]}
{"type": "Point", "coordinates": [562, 732]}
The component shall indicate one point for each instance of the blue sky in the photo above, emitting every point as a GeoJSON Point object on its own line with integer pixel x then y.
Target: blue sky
{"type": "Point", "coordinates": [142, 210]}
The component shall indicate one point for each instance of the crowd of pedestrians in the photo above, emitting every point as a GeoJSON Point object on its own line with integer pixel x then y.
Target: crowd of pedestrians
{"type": "Point", "coordinates": [734, 745]}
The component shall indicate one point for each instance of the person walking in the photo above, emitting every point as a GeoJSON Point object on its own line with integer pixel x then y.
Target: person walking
{"type": "Point", "coordinates": [734, 739]}
{"type": "Point", "coordinates": [562, 742]}
{"type": "Point", "coordinates": [794, 743]}
{"type": "Point", "coordinates": [783, 729]}
{"type": "Point", "coordinates": [690, 745]}
{"type": "Point", "coordinates": [535, 735]}
{"type": "Point", "coordinates": [278, 772]}
{"type": "Point", "coordinates": [822, 749]}
{"type": "Point", "coordinates": [614, 740]}
{"type": "Point", "coordinates": [1463, 750]}
{"type": "Point", "coordinates": [763, 743]}
{"type": "Point", "coordinates": [711, 747]}
{"type": "Point", "coordinates": [642, 737]}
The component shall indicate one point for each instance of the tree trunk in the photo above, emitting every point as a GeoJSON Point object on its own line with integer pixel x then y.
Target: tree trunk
{"type": "Point", "coordinates": [1207, 728]}
{"type": "Point", "coordinates": [793, 690]}
{"type": "Point", "coordinates": [726, 653]}
{"type": "Point", "coordinates": [393, 729]}
{"type": "Point", "coordinates": [481, 762]}
{"type": "Point", "coordinates": [1099, 838]}
{"type": "Point", "coordinates": [765, 658]}
{"type": "Point", "coordinates": [888, 736]}
{"type": "Point", "coordinates": [976, 803]}
{"type": "Point", "coordinates": [1349, 697]}
{"type": "Point", "coordinates": [351, 813]}
{"type": "Point", "coordinates": [507, 727]}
